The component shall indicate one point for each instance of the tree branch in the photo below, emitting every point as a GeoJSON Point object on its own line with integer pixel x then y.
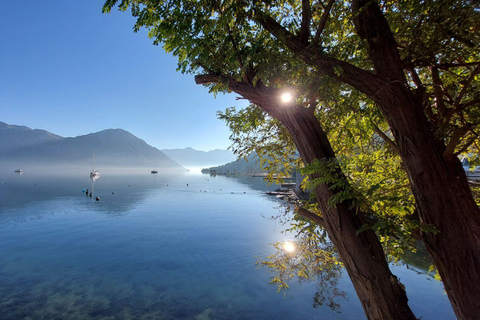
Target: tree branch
{"type": "Point", "coordinates": [372, 26]}
{"type": "Point", "coordinates": [342, 71]}
{"type": "Point", "coordinates": [416, 79]}
{"type": "Point", "coordinates": [386, 138]}
{"type": "Point", "coordinates": [465, 86]}
{"type": "Point", "coordinates": [306, 18]}
{"type": "Point", "coordinates": [467, 144]}
{"type": "Point", "coordinates": [265, 97]}
{"type": "Point", "coordinates": [323, 22]}
{"type": "Point", "coordinates": [454, 140]}
{"type": "Point", "coordinates": [437, 89]}
{"type": "Point", "coordinates": [311, 216]}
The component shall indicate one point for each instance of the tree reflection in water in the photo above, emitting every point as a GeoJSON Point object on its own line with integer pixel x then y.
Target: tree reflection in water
{"type": "Point", "coordinates": [310, 257]}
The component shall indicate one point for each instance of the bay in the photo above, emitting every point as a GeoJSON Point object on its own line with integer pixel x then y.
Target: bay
{"type": "Point", "coordinates": [166, 246]}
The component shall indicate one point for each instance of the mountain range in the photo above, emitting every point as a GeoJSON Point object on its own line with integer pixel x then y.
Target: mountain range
{"type": "Point", "coordinates": [22, 147]}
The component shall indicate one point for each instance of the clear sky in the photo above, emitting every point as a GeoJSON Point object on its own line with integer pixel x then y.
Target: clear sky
{"type": "Point", "coordinates": [69, 69]}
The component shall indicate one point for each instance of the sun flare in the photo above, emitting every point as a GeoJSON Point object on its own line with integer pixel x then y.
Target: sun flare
{"type": "Point", "coordinates": [286, 97]}
{"type": "Point", "coordinates": [289, 246]}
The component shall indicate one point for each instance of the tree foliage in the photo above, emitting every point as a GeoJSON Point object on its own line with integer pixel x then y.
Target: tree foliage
{"type": "Point", "coordinates": [326, 54]}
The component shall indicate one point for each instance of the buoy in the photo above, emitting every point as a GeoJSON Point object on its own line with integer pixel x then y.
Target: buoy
{"type": "Point", "coordinates": [97, 198]}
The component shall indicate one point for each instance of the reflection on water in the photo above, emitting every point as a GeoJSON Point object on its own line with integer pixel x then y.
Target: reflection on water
{"type": "Point", "coordinates": [176, 246]}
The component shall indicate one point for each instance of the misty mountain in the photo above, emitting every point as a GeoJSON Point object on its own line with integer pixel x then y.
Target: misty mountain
{"type": "Point", "coordinates": [190, 157]}
{"type": "Point", "coordinates": [14, 137]}
{"type": "Point", "coordinates": [113, 148]}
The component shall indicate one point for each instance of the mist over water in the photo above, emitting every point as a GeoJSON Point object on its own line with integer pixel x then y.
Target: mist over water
{"type": "Point", "coordinates": [156, 246]}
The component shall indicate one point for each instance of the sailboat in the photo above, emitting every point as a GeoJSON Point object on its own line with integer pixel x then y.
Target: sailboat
{"type": "Point", "coordinates": [94, 174]}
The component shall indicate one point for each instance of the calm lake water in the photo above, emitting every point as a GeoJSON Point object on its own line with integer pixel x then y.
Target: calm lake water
{"type": "Point", "coordinates": [155, 248]}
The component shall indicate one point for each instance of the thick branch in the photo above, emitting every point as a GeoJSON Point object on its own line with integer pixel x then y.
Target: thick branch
{"type": "Point", "coordinates": [372, 26]}
{"type": "Point", "coordinates": [210, 78]}
{"type": "Point", "coordinates": [342, 71]}
{"type": "Point", "coordinates": [259, 95]}
{"type": "Point", "coordinates": [311, 216]}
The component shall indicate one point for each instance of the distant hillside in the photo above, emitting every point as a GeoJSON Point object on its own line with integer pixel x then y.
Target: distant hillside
{"type": "Point", "coordinates": [113, 148]}
{"type": "Point", "coordinates": [189, 157]}
{"type": "Point", "coordinates": [252, 164]}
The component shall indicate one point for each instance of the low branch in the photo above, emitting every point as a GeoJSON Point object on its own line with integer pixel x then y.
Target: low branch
{"type": "Point", "coordinates": [311, 216]}
{"type": "Point", "coordinates": [211, 78]}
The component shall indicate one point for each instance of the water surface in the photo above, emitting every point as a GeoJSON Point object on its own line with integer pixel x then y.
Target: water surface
{"type": "Point", "coordinates": [166, 246]}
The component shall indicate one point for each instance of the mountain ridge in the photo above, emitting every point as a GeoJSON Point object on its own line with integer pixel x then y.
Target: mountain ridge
{"type": "Point", "coordinates": [23, 146]}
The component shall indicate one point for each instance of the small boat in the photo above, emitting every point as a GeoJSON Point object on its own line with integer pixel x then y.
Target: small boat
{"type": "Point", "coordinates": [94, 174]}
{"type": "Point", "coordinates": [19, 171]}
{"type": "Point", "coordinates": [154, 170]}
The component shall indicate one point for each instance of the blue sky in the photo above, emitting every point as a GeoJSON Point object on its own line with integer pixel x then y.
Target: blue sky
{"type": "Point", "coordinates": [67, 68]}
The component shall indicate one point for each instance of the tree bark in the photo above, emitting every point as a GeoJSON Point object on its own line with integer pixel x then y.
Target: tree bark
{"type": "Point", "coordinates": [439, 184]}
{"type": "Point", "coordinates": [444, 200]}
{"type": "Point", "coordinates": [382, 296]}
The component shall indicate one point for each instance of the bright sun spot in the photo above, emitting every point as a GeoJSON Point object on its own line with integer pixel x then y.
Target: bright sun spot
{"type": "Point", "coordinates": [286, 97]}
{"type": "Point", "coordinates": [289, 246]}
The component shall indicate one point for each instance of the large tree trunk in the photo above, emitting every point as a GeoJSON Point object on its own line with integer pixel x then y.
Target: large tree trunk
{"type": "Point", "coordinates": [382, 296]}
{"type": "Point", "coordinates": [444, 200]}
{"type": "Point", "coordinates": [439, 184]}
